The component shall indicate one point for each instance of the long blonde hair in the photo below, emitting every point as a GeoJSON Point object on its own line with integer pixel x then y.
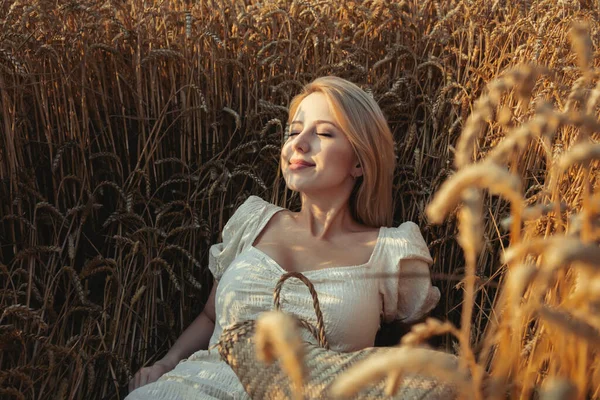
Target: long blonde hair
{"type": "Point", "coordinates": [366, 128]}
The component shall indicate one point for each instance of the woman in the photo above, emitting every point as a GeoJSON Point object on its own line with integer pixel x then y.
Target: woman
{"type": "Point", "coordinates": [339, 156]}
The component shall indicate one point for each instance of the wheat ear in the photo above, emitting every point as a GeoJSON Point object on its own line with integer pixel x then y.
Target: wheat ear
{"type": "Point", "coordinates": [484, 175]}
{"type": "Point", "coordinates": [277, 336]}
{"type": "Point", "coordinates": [397, 361]}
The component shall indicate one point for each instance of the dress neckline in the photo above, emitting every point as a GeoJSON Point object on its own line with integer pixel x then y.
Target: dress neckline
{"type": "Point", "coordinates": [270, 259]}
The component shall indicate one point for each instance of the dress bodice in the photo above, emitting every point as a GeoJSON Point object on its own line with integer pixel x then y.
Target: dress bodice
{"type": "Point", "coordinates": [354, 299]}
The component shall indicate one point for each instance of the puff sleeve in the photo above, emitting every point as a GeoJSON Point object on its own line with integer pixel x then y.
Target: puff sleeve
{"type": "Point", "coordinates": [407, 293]}
{"type": "Point", "coordinates": [238, 233]}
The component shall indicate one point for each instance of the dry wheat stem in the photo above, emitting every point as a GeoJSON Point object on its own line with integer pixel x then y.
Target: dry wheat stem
{"type": "Point", "coordinates": [392, 383]}
{"type": "Point", "coordinates": [568, 323]}
{"type": "Point", "coordinates": [431, 327]}
{"type": "Point", "coordinates": [277, 337]}
{"type": "Point", "coordinates": [470, 234]}
{"type": "Point", "coordinates": [402, 360]}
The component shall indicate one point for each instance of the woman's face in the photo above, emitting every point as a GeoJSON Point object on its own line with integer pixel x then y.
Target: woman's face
{"type": "Point", "coordinates": [317, 156]}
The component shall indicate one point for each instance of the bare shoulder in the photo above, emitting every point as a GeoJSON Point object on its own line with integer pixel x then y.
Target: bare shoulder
{"type": "Point", "coordinates": [366, 235]}
{"type": "Point", "coordinates": [277, 226]}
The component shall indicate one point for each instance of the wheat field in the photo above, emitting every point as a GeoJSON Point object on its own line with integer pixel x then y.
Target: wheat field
{"type": "Point", "coordinates": [131, 131]}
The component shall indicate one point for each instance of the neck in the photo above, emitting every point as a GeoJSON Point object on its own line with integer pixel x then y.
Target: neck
{"type": "Point", "coordinates": [325, 217]}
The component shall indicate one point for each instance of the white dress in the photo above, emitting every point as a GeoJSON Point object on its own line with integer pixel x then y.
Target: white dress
{"type": "Point", "coordinates": [354, 299]}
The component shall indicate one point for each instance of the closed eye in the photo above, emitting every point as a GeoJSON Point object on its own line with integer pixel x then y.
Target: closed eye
{"type": "Point", "coordinates": [320, 134]}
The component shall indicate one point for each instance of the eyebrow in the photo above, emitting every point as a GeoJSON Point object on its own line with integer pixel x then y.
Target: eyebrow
{"type": "Point", "coordinates": [319, 121]}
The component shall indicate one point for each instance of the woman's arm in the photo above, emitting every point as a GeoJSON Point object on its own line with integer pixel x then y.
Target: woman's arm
{"type": "Point", "coordinates": [194, 338]}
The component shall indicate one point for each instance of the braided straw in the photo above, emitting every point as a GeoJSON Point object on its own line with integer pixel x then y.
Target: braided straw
{"type": "Point", "coordinates": [319, 334]}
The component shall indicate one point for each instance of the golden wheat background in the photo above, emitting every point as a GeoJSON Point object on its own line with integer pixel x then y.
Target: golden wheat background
{"type": "Point", "coordinates": [131, 130]}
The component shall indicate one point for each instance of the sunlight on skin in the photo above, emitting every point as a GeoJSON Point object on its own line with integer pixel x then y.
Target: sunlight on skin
{"type": "Point", "coordinates": [318, 161]}
{"type": "Point", "coordinates": [325, 187]}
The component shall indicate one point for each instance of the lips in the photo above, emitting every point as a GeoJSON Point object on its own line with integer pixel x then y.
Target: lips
{"type": "Point", "coordinates": [302, 163]}
{"type": "Point", "coordinates": [297, 165]}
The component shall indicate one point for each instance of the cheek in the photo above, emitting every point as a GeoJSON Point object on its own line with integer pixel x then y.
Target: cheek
{"type": "Point", "coordinates": [340, 158]}
{"type": "Point", "coordinates": [284, 154]}
{"type": "Point", "coordinates": [284, 158]}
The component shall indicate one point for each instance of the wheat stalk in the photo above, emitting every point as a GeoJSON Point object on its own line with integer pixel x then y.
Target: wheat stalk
{"type": "Point", "coordinates": [431, 327]}
{"type": "Point", "coordinates": [396, 361]}
{"type": "Point", "coordinates": [277, 337]}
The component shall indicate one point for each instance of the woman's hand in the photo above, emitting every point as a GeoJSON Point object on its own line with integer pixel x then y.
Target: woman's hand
{"type": "Point", "coordinates": [195, 337]}
{"type": "Point", "coordinates": [149, 374]}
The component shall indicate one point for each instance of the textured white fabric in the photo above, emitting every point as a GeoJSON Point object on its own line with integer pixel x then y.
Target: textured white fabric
{"type": "Point", "coordinates": [394, 284]}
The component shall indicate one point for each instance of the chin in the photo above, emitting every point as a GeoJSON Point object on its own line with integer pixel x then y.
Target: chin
{"type": "Point", "coordinates": [296, 188]}
{"type": "Point", "coordinates": [299, 186]}
{"type": "Point", "coordinates": [307, 185]}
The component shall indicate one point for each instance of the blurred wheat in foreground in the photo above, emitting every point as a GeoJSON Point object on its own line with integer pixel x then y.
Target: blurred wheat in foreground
{"type": "Point", "coordinates": [131, 130]}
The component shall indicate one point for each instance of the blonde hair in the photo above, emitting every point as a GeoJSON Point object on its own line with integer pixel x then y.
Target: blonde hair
{"type": "Point", "coordinates": [367, 130]}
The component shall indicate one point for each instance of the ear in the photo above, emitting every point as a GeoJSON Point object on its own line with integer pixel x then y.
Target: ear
{"type": "Point", "coordinates": [357, 170]}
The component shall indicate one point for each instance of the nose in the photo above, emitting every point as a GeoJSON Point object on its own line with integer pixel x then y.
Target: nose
{"type": "Point", "coordinates": [300, 142]}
